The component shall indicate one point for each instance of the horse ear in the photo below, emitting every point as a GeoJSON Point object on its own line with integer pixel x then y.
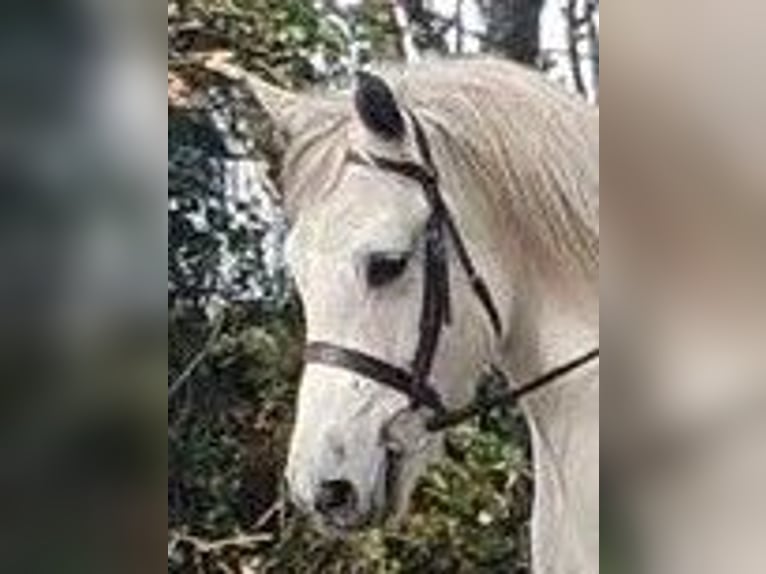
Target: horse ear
{"type": "Point", "coordinates": [378, 109]}
{"type": "Point", "coordinates": [277, 102]}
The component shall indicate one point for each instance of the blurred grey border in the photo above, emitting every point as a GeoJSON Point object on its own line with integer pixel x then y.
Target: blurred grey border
{"type": "Point", "coordinates": [83, 322]}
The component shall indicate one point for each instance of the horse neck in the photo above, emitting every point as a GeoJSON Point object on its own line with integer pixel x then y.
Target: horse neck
{"type": "Point", "coordinates": [564, 424]}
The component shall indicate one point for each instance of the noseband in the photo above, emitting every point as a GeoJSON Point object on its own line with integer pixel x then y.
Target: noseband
{"type": "Point", "coordinates": [436, 311]}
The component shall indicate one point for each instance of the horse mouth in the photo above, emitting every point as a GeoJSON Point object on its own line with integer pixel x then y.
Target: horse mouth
{"type": "Point", "coordinates": [384, 506]}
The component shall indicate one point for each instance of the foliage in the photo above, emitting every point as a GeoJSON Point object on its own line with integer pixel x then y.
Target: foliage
{"type": "Point", "coordinates": [227, 451]}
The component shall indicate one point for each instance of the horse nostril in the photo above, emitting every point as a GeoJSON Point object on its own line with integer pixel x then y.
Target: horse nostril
{"type": "Point", "coordinates": [334, 495]}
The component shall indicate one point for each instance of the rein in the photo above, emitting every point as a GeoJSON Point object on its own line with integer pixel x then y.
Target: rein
{"type": "Point", "coordinates": [510, 397]}
{"type": "Point", "coordinates": [436, 311]}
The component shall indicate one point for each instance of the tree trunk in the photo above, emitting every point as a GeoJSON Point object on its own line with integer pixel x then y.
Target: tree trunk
{"type": "Point", "coordinates": [514, 29]}
{"type": "Point", "coordinates": [574, 38]}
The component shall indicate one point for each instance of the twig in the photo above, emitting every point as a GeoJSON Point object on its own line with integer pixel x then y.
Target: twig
{"type": "Point", "coordinates": [198, 359]}
{"type": "Point", "coordinates": [215, 546]}
{"type": "Point", "coordinates": [269, 514]}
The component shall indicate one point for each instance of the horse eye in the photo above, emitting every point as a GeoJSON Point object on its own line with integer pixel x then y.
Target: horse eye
{"type": "Point", "coordinates": [385, 268]}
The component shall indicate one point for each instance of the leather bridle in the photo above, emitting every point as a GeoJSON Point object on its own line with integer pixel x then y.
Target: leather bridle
{"type": "Point", "coordinates": [436, 312]}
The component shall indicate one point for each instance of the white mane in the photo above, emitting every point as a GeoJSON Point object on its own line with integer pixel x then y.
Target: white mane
{"type": "Point", "coordinates": [524, 155]}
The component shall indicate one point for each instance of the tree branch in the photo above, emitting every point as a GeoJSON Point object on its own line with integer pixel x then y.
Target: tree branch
{"type": "Point", "coordinates": [594, 40]}
{"type": "Point", "coordinates": [203, 546]}
{"type": "Point", "coordinates": [459, 27]}
{"type": "Point", "coordinates": [573, 38]}
{"type": "Point", "coordinates": [198, 359]}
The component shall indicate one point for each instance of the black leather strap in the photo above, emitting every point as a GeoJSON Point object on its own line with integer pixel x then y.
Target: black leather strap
{"type": "Point", "coordinates": [477, 282]}
{"type": "Point", "coordinates": [408, 169]}
{"type": "Point", "coordinates": [435, 312]}
{"type": "Point", "coordinates": [372, 368]}
{"type": "Point", "coordinates": [448, 419]}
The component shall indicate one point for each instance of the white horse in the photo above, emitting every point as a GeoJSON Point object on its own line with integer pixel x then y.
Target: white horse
{"type": "Point", "coordinates": [518, 172]}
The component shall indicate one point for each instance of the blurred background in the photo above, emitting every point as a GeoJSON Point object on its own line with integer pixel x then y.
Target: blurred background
{"type": "Point", "coordinates": [82, 269]}
{"type": "Point", "coordinates": [234, 324]}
